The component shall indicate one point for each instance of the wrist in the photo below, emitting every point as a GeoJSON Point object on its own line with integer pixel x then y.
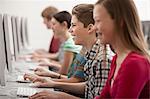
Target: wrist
{"type": "Point", "coordinates": [52, 74]}
{"type": "Point", "coordinates": [59, 77]}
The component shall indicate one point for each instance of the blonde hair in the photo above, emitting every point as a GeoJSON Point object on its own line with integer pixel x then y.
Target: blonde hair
{"type": "Point", "coordinates": [130, 32]}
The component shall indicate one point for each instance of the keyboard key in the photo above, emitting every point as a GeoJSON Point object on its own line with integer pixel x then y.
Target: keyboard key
{"type": "Point", "coordinates": [25, 91]}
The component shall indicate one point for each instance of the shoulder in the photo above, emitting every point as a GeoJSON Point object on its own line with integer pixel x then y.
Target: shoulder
{"type": "Point", "coordinates": [69, 45]}
{"type": "Point", "coordinates": [136, 59]}
{"type": "Point", "coordinates": [136, 62]}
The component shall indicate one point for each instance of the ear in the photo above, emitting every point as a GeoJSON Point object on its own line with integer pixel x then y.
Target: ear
{"type": "Point", "coordinates": [91, 28]}
{"type": "Point", "coordinates": [64, 24]}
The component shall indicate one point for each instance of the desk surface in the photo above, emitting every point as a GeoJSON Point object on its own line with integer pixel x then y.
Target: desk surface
{"type": "Point", "coordinates": [9, 91]}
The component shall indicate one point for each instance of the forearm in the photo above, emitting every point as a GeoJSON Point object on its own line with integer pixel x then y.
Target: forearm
{"type": "Point", "coordinates": [53, 74]}
{"type": "Point", "coordinates": [66, 96]}
{"type": "Point", "coordinates": [69, 80]}
{"type": "Point", "coordinates": [52, 56]}
{"type": "Point", "coordinates": [76, 88]}
{"type": "Point", "coordinates": [68, 58]}
{"type": "Point", "coordinates": [57, 77]}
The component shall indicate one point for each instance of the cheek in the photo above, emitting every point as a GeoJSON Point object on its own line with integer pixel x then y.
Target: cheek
{"type": "Point", "coordinates": [104, 28]}
{"type": "Point", "coordinates": [56, 28]}
{"type": "Point", "coordinates": [109, 34]}
{"type": "Point", "coordinates": [99, 27]}
{"type": "Point", "coordinates": [106, 32]}
{"type": "Point", "coordinates": [49, 24]}
{"type": "Point", "coordinates": [75, 31]}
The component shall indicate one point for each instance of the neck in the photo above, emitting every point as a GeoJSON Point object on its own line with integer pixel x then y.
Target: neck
{"type": "Point", "coordinates": [89, 42]}
{"type": "Point", "coordinates": [65, 36]}
{"type": "Point", "coordinates": [120, 49]}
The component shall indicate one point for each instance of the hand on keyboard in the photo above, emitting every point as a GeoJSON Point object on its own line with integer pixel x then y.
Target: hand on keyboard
{"type": "Point", "coordinates": [41, 71]}
{"type": "Point", "coordinates": [50, 95]}
{"type": "Point", "coordinates": [44, 82]}
{"type": "Point", "coordinates": [30, 76]}
{"type": "Point", "coordinates": [21, 79]}
{"type": "Point", "coordinates": [34, 84]}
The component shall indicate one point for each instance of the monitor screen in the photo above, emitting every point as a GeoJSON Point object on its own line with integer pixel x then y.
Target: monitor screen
{"type": "Point", "coordinates": [11, 36]}
{"type": "Point", "coordinates": [24, 32]}
{"type": "Point", "coordinates": [7, 43]}
{"type": "Point", "coordinates": [18, 32]}
{"type": "Point", "coordinates": [14, 34]}
{"type": "Point", "coordinates": [2, 54]}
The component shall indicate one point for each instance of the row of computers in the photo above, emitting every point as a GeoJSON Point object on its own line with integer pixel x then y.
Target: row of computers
{"type": "Point", "coordinates": [13, 39]}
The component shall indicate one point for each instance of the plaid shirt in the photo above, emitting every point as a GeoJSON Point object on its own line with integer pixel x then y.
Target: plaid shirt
{"type": "Point", "coordinates": [96, 69]}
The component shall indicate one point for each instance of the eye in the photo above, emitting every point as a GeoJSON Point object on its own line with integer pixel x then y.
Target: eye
{"type": "Point", "coordinates": [97, 21]}
{"type": "Point", "coordinates": [53, 23]}
{"type": "Point", "coordinates": [73, 25]}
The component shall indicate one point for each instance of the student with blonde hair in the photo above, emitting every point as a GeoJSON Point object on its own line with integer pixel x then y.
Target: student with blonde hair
{"type": "Point", "coordinates": [118, 24]}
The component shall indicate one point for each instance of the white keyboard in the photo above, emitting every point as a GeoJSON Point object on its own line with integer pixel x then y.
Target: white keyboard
{"type": "Point", "coordinates": [21, 79]}
{"type": "Point", "coordinates": [25, 91]}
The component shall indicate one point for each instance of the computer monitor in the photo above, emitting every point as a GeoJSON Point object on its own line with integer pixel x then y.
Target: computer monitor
{"type": "Point", "coordinates": [18, 32]}
{"type": "Point", "coordinates": [14, 33]}
{"type": "Point", "coordinates": [2, 54]}
{"type": "Point", "coordinates": [10, 36]}
{"type": "Point", "coordinates": [7, 43]}
{"type": "Point", "coordinates": [24, 32]}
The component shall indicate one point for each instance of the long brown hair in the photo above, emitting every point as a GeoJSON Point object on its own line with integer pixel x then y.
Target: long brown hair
{"type": "Point", "coordinates": [130, 32]}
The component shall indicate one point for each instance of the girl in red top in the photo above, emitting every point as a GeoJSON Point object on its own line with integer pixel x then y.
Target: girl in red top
{"type": "Point", "coordinates": [118, 24]}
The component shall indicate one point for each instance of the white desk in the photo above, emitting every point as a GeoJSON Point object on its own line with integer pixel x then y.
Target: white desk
{"type": "Point", "coordinates": [9, 91]}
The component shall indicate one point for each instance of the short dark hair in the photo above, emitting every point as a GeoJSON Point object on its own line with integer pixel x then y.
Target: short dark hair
{"type": "Point", "coordinates": [63, 16]}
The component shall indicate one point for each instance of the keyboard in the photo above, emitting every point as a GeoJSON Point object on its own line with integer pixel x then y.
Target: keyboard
{"type": "Point", "coordinates": [25, 91]}
{"type": "Point", "coordinates": [21, 79]}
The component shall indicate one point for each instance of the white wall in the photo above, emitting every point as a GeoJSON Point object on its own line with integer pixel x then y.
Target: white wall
{"type": "Point", "coordinates": [143, 7]}
{"type": "Point", "coordinates": [39, 35]}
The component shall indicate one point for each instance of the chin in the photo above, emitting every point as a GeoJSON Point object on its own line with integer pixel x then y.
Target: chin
{"type": "Point", "coordinates": [102, 41]}
{"type": "Point", "coordinates": [77, 43]}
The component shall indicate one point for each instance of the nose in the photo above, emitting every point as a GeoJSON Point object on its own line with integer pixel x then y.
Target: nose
{"type": "Point", "coordinates": [95, 28]}
{"type": "Point", "coordinates": [49, 24]}
{"type": "Point", "coordinates": [70, 30]}
{"type": "Point", "coordinates": [44, 22]}
{"type": "Point", "coordinates": [52, 26]}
